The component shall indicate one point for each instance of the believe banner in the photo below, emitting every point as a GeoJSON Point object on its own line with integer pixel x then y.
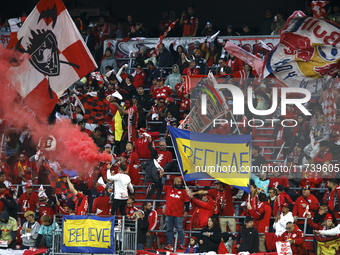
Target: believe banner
{"type": "Point", "coordinates": [225, 158]}
{"type": "Point", "coordinates": [88, 234]}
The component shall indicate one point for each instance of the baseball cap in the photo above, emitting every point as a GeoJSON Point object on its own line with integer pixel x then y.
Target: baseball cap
{"type": "Point", "coordinates": [108, 146]}
{"type": "Point", "coordinates": [28, 185]}
{"type": "Point", "coordinates": [197, 43]}
{"type": "Point", "coordinates": [159, 79]}
{"type": "Point", "coordinates": [100, 189]}
{"type": "Point", "coordinates": [286, 205]}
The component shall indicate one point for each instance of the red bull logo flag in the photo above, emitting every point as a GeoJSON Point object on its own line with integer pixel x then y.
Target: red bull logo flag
{"type": "Point", "coordinates": [308, 53]}
{"type": "Point", "coordinates": [225, 158]}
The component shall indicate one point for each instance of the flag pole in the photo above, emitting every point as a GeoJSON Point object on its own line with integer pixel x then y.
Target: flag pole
{"type": "Point", "coordinates": [179, 165]}
{"type": "Point", "coordinates": [278, 155]}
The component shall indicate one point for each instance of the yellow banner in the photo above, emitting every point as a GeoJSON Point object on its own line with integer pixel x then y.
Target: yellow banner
{"type": "Point", "coordinates": [87, 233]}
{"type": "Point", "coordinates": [328, 248]}
{"type": "Point", "coordinates": [223, 157]}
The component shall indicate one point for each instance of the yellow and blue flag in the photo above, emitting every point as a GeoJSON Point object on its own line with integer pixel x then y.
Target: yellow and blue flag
{"type": "Point", "coordinates": [225, 158]}
{"type": "Point", "coordinates": [88, 234]}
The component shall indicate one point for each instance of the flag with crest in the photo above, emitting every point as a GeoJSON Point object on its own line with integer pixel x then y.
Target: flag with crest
{"type": "Point", "coordinates": [54, 57]}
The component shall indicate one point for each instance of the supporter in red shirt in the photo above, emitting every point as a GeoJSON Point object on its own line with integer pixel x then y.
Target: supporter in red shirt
{"type": "Point", "coordinates": [185, 103]}
{"type": "Point", "coordinates": [323, 154]}
{"type": "Point", "coordinates": [3, 192]}
{"type": "Point", "coordinates": [332, 197]}
{"type": "Point", "coordinates": [296, 238]}
{"type": "Point", "coordinates": [164, 156]}
{"type": "Point", "coordinates": [24, 169]}
{"type": "Point", "coordinates": [235, 64]}
{"type": "Point", "coordinates": [191, 69]}
{"type": "Point", "coordinates": [176, 208]}
{"type": "Point", "coordinates": [261, 215]}
{"type": "Point", "coordinates": [139, 77]}
{"type": "Point", "coordinates": [101, 204]}
{"type": "Point", "coordinates": [161, 91]}
{"type": "Point", "coordinates": [81, 203]}
{"type": "Point", "coordinates": [130, 208]}
{"type": "Point", "coordinates": [222, 196]}
{"type": "Point", "coordinates": [276, 179]}
{"type": "Point", "coordinates": [142, 143]}
{"type": "Point", "coordinates": [301, 203]}
{"type": "Point", "coordinates": [28, 201]}
{"type": "Point", "coordinates": [282, 198]}
{"type": "Point", "coordinates": [47, 207]}
{"type": "Point", "coordinates": [203, 209]}
{"type": "Point", "coordinates": [131, 154]}
{"type": "Point", "coordinates": [189, 23]}
{"type": "Point", "coordinates": [5, 168]}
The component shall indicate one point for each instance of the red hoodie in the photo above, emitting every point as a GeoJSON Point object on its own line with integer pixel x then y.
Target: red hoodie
{"type": "Point", "coordinates": [299, 239]}
{"type": "Point", "coordinates": [201, 213]}
{"type": "Point", "coordinates": [282, 198]}
{"type": "Point", "coordinates": [261, 216]}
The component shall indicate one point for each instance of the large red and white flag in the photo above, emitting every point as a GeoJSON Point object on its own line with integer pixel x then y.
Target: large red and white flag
{"type": "Point", "coordinates": [55, 56]}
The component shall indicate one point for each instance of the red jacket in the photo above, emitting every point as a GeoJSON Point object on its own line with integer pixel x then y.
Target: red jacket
{"type": "Point", "coordinates": [280, 180]}
{"type": "Point", "coordinates": [152, 219]}
{"type": "Point", "coordinates": [311, 200]}
{"type": "Point", "coordinates": [332, 204]}
{"type": "Point", "coordinates": [138, 77]}
{"type": "Point", "coordinates": [223, 201]}
{"type": "Point", "coordinates": [101, 205]}
{"type": "Point", "coordinates": [82, 204]}
{"type": "Point", "coordinates": [321, 157]}
{"type": "Point", "coordinates": [189, 71]}
{"type": "Point", "coordinates": [282, 198]}
{"type": "Point", "coordinates": [142, 146]}
{"type": "Point", "coordinates": [201, 213]}
{"type": "Point", "coordinates": [261, 216]}
{"type": "Point", "coordinates": [28, 203]}
{"type": "Point", "coordinates": [164, 157]}
{"type": "Point", "coordinates": [298, 236]}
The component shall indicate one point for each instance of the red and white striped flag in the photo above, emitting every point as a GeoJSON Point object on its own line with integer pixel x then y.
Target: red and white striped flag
{"type": "Point", "coordinates": [155, 52]}
{"type": "Point", "coordinates": [318, 8]}
{"type": "Point", "coordinates": [329, 107]}
{"type": "Point", "coordinates": [55, 56]}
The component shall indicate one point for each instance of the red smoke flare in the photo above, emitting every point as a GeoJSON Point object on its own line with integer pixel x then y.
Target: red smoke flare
{"type": "Point", "coordinates": [73, 146]}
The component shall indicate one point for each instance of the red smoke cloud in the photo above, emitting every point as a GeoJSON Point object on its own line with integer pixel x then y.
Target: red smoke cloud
{"type": "Point", "coordinates": [73, 146]}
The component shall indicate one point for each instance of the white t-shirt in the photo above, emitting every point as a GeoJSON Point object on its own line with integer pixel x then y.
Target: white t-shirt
{"type": "Point", "coordinates": [122, 182]}
{"type": "Point", "coordinates": [280, 226]}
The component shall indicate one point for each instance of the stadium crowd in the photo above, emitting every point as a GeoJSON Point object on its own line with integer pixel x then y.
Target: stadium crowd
{"type": "Point", "coordinates": [133, 129]}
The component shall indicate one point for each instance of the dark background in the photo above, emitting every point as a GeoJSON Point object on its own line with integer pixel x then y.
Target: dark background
{"type": "Point", "coordinates": [219, 12]}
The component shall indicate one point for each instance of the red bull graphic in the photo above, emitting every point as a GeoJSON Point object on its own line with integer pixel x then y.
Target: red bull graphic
{"type": "Point", "coordinates": [308, 53]}
{"type": "Point", "coordinates": [298, 45]}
